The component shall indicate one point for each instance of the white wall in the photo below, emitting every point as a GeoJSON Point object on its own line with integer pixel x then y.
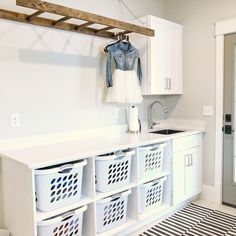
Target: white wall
{"type": "Point", "coordinates": [54, 79]}
{"type": "Point", "coordinates": [198, 18]}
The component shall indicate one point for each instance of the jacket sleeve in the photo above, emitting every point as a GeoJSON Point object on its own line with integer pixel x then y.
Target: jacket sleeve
{"type": "Point", "coordinates": [139, 71]}
{"type": "Point", "coordinates": [109, 81]}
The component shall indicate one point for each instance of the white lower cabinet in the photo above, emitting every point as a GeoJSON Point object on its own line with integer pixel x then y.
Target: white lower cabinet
{"type": "Point", "coordinates": [187, 168]}
{"type": "Point", "coordinates": [137, 189]}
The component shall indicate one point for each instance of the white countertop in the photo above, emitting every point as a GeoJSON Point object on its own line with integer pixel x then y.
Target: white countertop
{"type": "Point", "coordinates": [41, 155]}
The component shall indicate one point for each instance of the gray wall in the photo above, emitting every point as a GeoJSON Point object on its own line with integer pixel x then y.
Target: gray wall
{"type": "Point", "coordinates": [55, 79]}
{"type": "Point", "coordinates": [198, 18]}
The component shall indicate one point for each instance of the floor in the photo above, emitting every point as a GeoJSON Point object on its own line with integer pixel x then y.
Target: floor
{"type": "Point", "coordinates": [211, 205]}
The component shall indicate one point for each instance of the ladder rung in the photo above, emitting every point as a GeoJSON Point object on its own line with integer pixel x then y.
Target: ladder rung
{"type": "Point", "coordinates": [37, 13]}
{"type": "Point", "coordinates": [61, 20]}
{"type": "Point", "coordinates": [84, 25]}
{"type": "Point", "coordinates": [104, 29]}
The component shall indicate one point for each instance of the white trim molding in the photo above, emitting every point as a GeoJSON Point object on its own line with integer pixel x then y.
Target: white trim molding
{"type": "Point", "coordinates": [225, 27]}
{"type": "Point", "coordinates": [221, 29]}
{"type": "Point", "coordinates": [219, 117]}
{"type": "Point", "coordinates": [208, 193]}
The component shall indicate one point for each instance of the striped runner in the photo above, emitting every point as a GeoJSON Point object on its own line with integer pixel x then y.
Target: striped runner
{"type": "Point", "coordinates": [195, 220]}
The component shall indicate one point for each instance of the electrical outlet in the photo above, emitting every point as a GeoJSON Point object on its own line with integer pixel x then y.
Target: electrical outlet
{"type": "Point", "coordinates": [15, 120]}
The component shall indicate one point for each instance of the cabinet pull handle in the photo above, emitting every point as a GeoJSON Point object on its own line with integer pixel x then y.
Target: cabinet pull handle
{"type": "Point", "coordinates": [186, 160]}
{"type": "Point", "coordinates": [170, 85]}
{"type": "Point", "coordinates": [166, 83]}
{"type": "Point", "coordinates": [191, 158]}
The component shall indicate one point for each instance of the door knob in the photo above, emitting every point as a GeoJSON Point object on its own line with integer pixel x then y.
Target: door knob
{"type": "Point", "coordinates": [227, 129]}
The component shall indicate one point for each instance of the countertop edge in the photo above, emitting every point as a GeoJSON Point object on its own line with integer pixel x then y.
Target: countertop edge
{"type": "Point", "coordinates": [148, 139]}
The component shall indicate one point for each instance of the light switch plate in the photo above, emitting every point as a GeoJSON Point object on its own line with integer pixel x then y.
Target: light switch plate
{"type": "Point", "coordinates": [15, 120]}
{"type": "Point", "coordinates": [208, 110]}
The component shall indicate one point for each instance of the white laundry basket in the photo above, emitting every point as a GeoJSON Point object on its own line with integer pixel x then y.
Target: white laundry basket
{"type": "Point", "coordinates": [59, 186]}
{"type": "Point", "coordinates": [112, 211]}
{"type": "Point", "coordinates": [113, 171]}
{"type": "Point", "coordinates": [67, 224]}
{"type": "Point", "coordinates": [151, 194]}
{"type": "Point", "coordinates": [150, 159]}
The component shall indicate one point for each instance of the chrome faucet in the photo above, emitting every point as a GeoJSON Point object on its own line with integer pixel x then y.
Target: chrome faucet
{"type": "Point", "coordinates": [151, 123]}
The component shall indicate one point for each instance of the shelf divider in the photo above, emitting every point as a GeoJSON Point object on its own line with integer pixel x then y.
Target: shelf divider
{"type": "Point", "coordinates": [100, 195]}
{"type": "Point", "coordinates": [40, 215]}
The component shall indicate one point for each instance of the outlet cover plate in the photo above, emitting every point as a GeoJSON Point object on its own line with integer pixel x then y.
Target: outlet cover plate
{"type": "Point", "coordinates": [208, 110]}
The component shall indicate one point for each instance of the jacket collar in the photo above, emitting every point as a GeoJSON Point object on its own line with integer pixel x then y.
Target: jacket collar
{"type": "Point", "coordinates": [125, 46]}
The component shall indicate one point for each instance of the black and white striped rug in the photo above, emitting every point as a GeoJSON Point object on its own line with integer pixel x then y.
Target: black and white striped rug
{"type": "Point", "coordinates": [195, 220]}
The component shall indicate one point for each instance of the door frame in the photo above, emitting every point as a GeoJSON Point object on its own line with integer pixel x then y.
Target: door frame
{"type": "Point", "coordinates": [222, 28]}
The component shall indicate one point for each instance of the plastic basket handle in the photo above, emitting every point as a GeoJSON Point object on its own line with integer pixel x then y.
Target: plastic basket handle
{"type": "Point", "coordinates": [67, 215]}
{"type": "Point", "coordinates": [50, 221]}
{"type": "Point", "coordinates": [69, 167]}
{"type": "Point", "coordinates": [62, 217]}
{"type": "Point", "coordinates": [120, 157]}
{"type": "Point", "coordinates": [155, 147]}
{"type": "Point", "coordinates": [115, 198]}
{"type": "Point", "coordinates": [123, 155]}
{"type": "Point", "coordinates": [130, 153]}
{"type": "Point", "coordinates": [66, 169]}
{"type": "Point", "coordinates": [155, 182]}
{"type": "Point", "coordinates": [158, 181]}
{"type": "Point", "coordinates": [70, 214]}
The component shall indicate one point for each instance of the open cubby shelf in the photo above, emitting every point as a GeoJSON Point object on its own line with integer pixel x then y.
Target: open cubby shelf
{"type": "Point", "coordinates": [90, 196]}
{"type": "Point", "coordinates": [24, 193]}
{"type": "Point", "coordinates": [66, 14]}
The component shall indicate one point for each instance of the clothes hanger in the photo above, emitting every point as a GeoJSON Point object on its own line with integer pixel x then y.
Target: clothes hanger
{"type": "Point", "coordinates": [120, 37]}
{"type": "Point", "coordinates": [125, 38]}
{"type": "Point", "coordinates": [105, 48]}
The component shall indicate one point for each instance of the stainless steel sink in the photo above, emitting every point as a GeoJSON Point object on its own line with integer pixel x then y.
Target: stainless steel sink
{"type": "Point", "coordinates": [166, 131]}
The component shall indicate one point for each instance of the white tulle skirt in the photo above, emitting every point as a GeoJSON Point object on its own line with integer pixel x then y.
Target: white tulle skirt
{"type": "Point", "coordinates": [125, 89]}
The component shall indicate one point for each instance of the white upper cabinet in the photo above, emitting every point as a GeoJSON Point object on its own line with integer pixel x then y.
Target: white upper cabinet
{"type": "Point", "coordinates": [161, 57]}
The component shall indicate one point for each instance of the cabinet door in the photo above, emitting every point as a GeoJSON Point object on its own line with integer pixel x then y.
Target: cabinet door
{"type": "Point", "coordinates": [157, 48]}
{"type": "Point", "coordinates": [165, 57]}
{"type": "Point", "coordinates": [193, 173]}
{"type": "Point", "coordinates": [161, 57]}
{"type": "Point", "coordinates": [174, 58]}
{"type": "Point", "coordinates": [178, 177]}
{"type": "Point", "coordinates": [187, 174]}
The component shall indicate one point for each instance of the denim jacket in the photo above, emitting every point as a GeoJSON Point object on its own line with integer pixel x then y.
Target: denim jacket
{"type": "Point", "coordinates": [124, 55]}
